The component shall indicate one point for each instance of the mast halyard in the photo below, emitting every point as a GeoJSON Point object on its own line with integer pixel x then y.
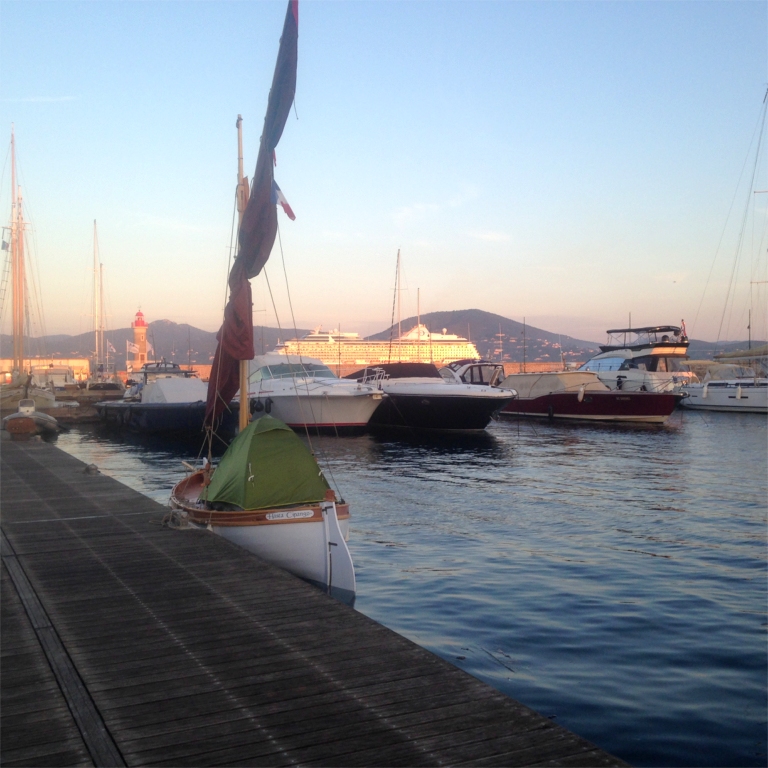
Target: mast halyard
{"type": "Point", "coordinates": [399, 329]}
{"type": "Point", "coordinates": [103, 353]}
{"type": "Point", "coordinates": [17, 265]}
{"type": "Point", "coordinates": [242, 203]}
{"type": "Point", "coordinates": [96, 303]}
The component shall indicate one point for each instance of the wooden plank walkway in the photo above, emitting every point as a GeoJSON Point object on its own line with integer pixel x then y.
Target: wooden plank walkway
{"type": "Point", "coordinates": [128, 643]}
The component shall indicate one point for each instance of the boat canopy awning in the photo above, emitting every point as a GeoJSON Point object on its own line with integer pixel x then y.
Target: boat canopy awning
{"type": "Point", "coordinates": [267, 465]}
{"type": "Point", "coordinates": [530, 385]}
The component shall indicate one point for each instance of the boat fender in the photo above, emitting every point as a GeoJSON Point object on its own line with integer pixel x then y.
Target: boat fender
{"type": "Point", "coordinates": [738, 392]}
{"type": "Point", "coordinates": [257, 406]}
{"type": "Point", "coordinates": [580, 396]}
{"type": "Point", "coordinates": [705, 391]}
{"type": "Point", "coordinates": [268, 405]}
{"type": "Point", "coordinates": [550, 412]}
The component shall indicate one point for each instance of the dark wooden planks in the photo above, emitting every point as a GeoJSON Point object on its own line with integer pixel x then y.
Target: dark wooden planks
{"type": "Point", "coordinates": [196, 653]}
{"type": "Point", "coordinates": [35, 723]}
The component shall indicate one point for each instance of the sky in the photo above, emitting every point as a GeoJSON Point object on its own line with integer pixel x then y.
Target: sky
{"type": "Point", "coordinates": [570, 163]}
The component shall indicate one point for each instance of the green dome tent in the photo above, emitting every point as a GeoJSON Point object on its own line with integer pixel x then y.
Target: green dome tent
{"type": "Point", "coordinates": [267, 466]}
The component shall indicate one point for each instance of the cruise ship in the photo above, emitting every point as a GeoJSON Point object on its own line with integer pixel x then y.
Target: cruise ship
{"type": "Point", "coordinates": [419, 345]}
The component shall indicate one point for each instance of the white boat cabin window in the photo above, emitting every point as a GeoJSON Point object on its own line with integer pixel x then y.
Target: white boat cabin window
{"type": "Point", "coordinates": [286, 370]}
{"type": "Point", "coordinates": [447, 374]}
{"type": "Point", "coordinates": [652, 363]}
{"type": "Point", "coordinates": [604, 364]}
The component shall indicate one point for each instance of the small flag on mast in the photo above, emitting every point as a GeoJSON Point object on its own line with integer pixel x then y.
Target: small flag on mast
{"type": "Point", "coordinates": [278, 198]}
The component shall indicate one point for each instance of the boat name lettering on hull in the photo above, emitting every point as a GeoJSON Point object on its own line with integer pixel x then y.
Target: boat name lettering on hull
{"type": "Point", "coordinates": [298, 514]}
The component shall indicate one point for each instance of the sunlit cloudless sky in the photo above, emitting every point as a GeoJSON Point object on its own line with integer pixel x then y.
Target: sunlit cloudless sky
{"type": "Point", "coordinates": [566, 162]}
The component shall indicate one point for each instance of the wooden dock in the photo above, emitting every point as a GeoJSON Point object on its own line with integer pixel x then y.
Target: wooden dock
{"type": "Point", "coordinates": [125, 642]}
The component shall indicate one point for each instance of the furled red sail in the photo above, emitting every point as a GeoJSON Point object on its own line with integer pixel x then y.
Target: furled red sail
{"type": "Point", "coordinates": [257, 230]}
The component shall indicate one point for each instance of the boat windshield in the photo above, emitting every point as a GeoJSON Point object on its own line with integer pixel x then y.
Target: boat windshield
{"type": "Point", "coordinates": [288, 370]}
{"type": "Point", "coordinates": [603, 364]}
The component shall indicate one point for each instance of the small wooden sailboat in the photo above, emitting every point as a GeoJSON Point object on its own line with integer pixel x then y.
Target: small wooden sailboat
{"type": "Point", "coordinates": [268, 494]}
{"type": "Point", "coordinates": [281, 509]}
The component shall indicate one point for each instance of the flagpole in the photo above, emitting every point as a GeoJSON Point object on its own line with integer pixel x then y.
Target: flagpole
{"type": "Point", "coordinates": [242, 202]}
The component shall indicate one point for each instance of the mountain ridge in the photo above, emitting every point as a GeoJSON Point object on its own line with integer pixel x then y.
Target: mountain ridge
{"type": "Point", "coordinates": [495, 336]}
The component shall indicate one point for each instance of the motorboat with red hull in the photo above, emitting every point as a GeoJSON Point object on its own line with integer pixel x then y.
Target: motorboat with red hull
{"type": "Point", "coordinates": [581, 396]}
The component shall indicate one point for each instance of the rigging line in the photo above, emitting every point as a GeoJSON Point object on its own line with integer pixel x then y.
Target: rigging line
{"type": "Point", "coordinates": [306, 378]}
{"type": "Point", "coordinates": [301, 359]}
{"type": "Point", "coordinates": [728, 216]}
{"type": "Point", "coordinates": [280, 328]}
{"type": "Point", "coordinates": [296, 332]}
{"type": "Point", "coordinates": [743, 221]}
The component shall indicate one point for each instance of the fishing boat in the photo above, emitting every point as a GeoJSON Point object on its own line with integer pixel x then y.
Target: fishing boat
{"type": "Point", "coordinates": [167, 400]}
{"type": "Point", "coordinates": [282, 509]}
{"type": "Point", "coordinates": [421, 397]}
{"type": "Point", "coordinates": [27, 421]}
{"type": "Point", "coordinates": [581, 396]}
{"type": "Point", "coordinates": [306, 394]}
{"type": "Point", "coordinates": [22, 385]}
{"type": "Point", "coordinates": [268, 495]}
{"type": "Point", "coordinates": [649, 359]}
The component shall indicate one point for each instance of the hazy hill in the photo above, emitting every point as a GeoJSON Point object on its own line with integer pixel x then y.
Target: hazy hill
{"type": "Point", "coordinates": [498, 337]}
{"type": "Point", "coordinates": [495, 337]}
{"type": "Point", "coordinates": [176, 342]}
{"type": "Point", "coordinates": [486, 329]}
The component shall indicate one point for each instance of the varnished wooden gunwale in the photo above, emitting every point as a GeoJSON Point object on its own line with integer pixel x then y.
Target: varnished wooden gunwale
{"type": "Point", "coordinates": [186, 492]}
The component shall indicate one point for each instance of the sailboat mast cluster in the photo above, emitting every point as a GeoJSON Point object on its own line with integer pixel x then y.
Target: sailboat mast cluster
{"type": "Point", "coordinates": [17, 265]}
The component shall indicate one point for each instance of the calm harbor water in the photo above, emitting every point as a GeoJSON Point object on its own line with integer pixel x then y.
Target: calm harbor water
{"type": "Point", "coordinates": [612, 578]}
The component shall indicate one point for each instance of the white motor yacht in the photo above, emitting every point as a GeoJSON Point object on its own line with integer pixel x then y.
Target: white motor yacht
{"type": "Point", "coordinates": [730, 388]}
{"type": "Point", "coordinates": [303, 392]}
{"type": "Point", "coordinates": [643, 359]}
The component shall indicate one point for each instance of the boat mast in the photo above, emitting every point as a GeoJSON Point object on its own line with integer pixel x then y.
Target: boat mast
{"type": "Point", "coordinates": [399, 329]}
{"type": "Point", "coordinates": [418, 323]}
{"type": "Point", "coordinates": [103, 352]}
{"type": "Point", "coordinates": [242, 202]}
{"type": "Point", "coordinates": [96, 319]}
{"type": "Point", "coordinates": [17, 265]}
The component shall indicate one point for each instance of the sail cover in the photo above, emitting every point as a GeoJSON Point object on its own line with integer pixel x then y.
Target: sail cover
{"type": "Point", "coordinates": [267, 466]}
{"type": "Point", "coordinates": [257, 230]}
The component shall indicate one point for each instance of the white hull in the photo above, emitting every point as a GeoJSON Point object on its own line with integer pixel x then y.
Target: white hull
{"type": "Point", "coordinates": [315, 551]}
{"type": "Point", "coordinates": [729, 396]}
{"type": "Point", "coordinates": [309, 540]}
{"type": "Point", "coordinates": [328, 406]}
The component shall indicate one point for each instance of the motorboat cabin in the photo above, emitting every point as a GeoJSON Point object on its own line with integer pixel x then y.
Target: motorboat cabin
{"type": "Point", "coordinates": [642, 359]}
